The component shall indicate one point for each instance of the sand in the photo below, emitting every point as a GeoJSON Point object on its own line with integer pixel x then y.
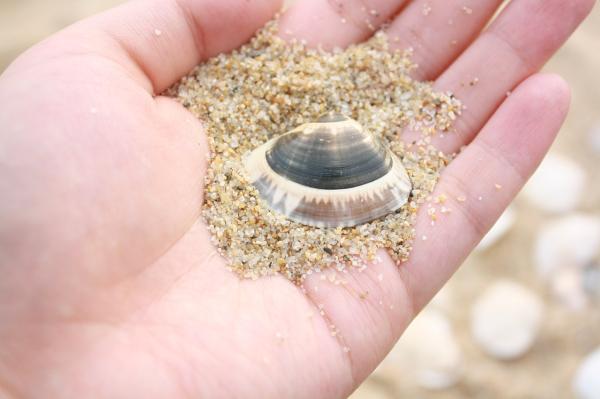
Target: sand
{"type": "Point", "coordinates": [269, 87]}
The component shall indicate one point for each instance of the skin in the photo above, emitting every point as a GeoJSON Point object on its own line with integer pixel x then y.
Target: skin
{"type": "Point", "coordinates": [110, 287]}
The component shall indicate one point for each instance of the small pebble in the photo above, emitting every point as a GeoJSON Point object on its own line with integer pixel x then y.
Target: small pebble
{"type": "Point", "coordinates": [567, 285]}
{"type": "Point", "coordinates": [427, 353]}
{"type": "Point", "coordinates": [443, 301]}
{"type": "Point", "coordinates": [563, 249]}
{"type": "Point", "coordinates": [594, 138]}
{"type": "Point", "coordinates": [557, 186]}
{"type": "Point", "coordinates": [573, 239]}
{"type": "Point", "coordinates": [505, 320]}
{"type": "Point", "coordinates": [370, 390]}
{"type": "Point", "coordinates": [586, 384]}
{"type": "Point", "coordinates": [591, 280]}
{"type": "Point", "coordinates": [499, 230]}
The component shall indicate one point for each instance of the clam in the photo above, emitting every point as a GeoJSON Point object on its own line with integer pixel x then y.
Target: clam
{"type": "Point", "coordinates": [428, 353]}
{"type": "Point", "coordinates": [330, 173]}
{"type": "Point", "coordinates": [506, 319]}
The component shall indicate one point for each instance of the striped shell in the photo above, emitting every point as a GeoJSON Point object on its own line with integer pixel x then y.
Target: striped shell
{"type": "Point", "coordinates": [331, 173]}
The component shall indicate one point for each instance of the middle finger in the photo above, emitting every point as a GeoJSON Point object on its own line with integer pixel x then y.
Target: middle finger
{"type": "Point", "coordinates": [438, 31]}
{"type": "Point", "coordinates": [336, 23]}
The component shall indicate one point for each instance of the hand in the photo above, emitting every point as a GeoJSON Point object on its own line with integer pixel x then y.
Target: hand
{"type": "Point", "coordinates": [109, 285]}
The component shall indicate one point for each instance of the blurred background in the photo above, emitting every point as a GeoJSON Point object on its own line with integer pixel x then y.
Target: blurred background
{"type": "Point", "coordinates": [521, 319]}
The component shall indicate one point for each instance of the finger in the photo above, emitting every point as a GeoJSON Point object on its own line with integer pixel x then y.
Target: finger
{"type": "Point", "coordinates": [438, 31]}
{"type": "Point", "coordinates": [516, 45]}
{"type": "Point", "coordinates": [483, 180]}
{"type": "Point", "coordinates": [336, 23]}
{"type": "Point", "coordinates": [159, 41]}
{"type": "Point", "coordinates": [368, 310]}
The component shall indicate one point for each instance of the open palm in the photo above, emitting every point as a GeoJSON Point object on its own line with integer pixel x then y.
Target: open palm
{"type": "Point", "coordinates": [109, 286]}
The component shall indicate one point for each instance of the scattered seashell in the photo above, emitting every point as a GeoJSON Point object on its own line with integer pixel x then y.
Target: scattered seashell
{"type": "Point", "coordinates": [557, 186]}
{"type": "Point", "coordinates": [505, 320]}
{"type": "Point", "coordinates": [594, 138]}
{"type": "Point", "coordinates": [427, 353]}
{"type": "Point", "coordinates": [370, 390]}
{"type": "Point", "coordinates": [565, 255]}
{"type": "Point", "coordinates": [591, 280]}
{"type": "Point", "coordinates": [443, 301]}
{"type": "Point", "coordinates": [330, 173]}
{"type": "Point", "coordinates": [502, 226]}
{"type": "Point", "coordinates": [574, 239]}
{"type": "Point", "coordinates": [586, 384]}
{"type": "Point", "coordinates": [567, 286]}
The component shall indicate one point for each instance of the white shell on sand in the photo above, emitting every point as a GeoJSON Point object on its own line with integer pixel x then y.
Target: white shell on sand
{"type": "Point", "coordinates": [591, 280]}
{"type": "Point", "coordinates": [564, 251]}
{"type": "Point", "coordinates": [571, 240]}
{"type": "Point", "coordinates": [594, 138]}
{"type": "Point", "coordinates": [443, 301]}
{"type": "Point", "coordinates": [557, 186]}
{"type": "Point", "coordinates": [567, 286]}
{"type": "Point", "coordinates": [427, 353]}
{"type": "Point", "coordinates": [586, 384]}
{"type": "Point", "coordinates": [370, 390]}
{"type": "Point", "coordinates": [502, 226]}
{"type": "Point", "coordinates": [505, 320]}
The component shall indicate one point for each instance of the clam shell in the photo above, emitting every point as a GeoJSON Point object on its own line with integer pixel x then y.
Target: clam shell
{"type": "Point", "coordinates": [506, 320]}
{"type": "Point", "coordinates": [558, 186]}
{"type": "Point", "coordinates": [331, 173]}
{"type": "Point", "coordinates": [586, 384]}
{"type": "Point", "coordinates": [428, 353]}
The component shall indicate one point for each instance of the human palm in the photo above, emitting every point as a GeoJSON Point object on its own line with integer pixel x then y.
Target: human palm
{"type": "Point", "coordinates": [109, 285]}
